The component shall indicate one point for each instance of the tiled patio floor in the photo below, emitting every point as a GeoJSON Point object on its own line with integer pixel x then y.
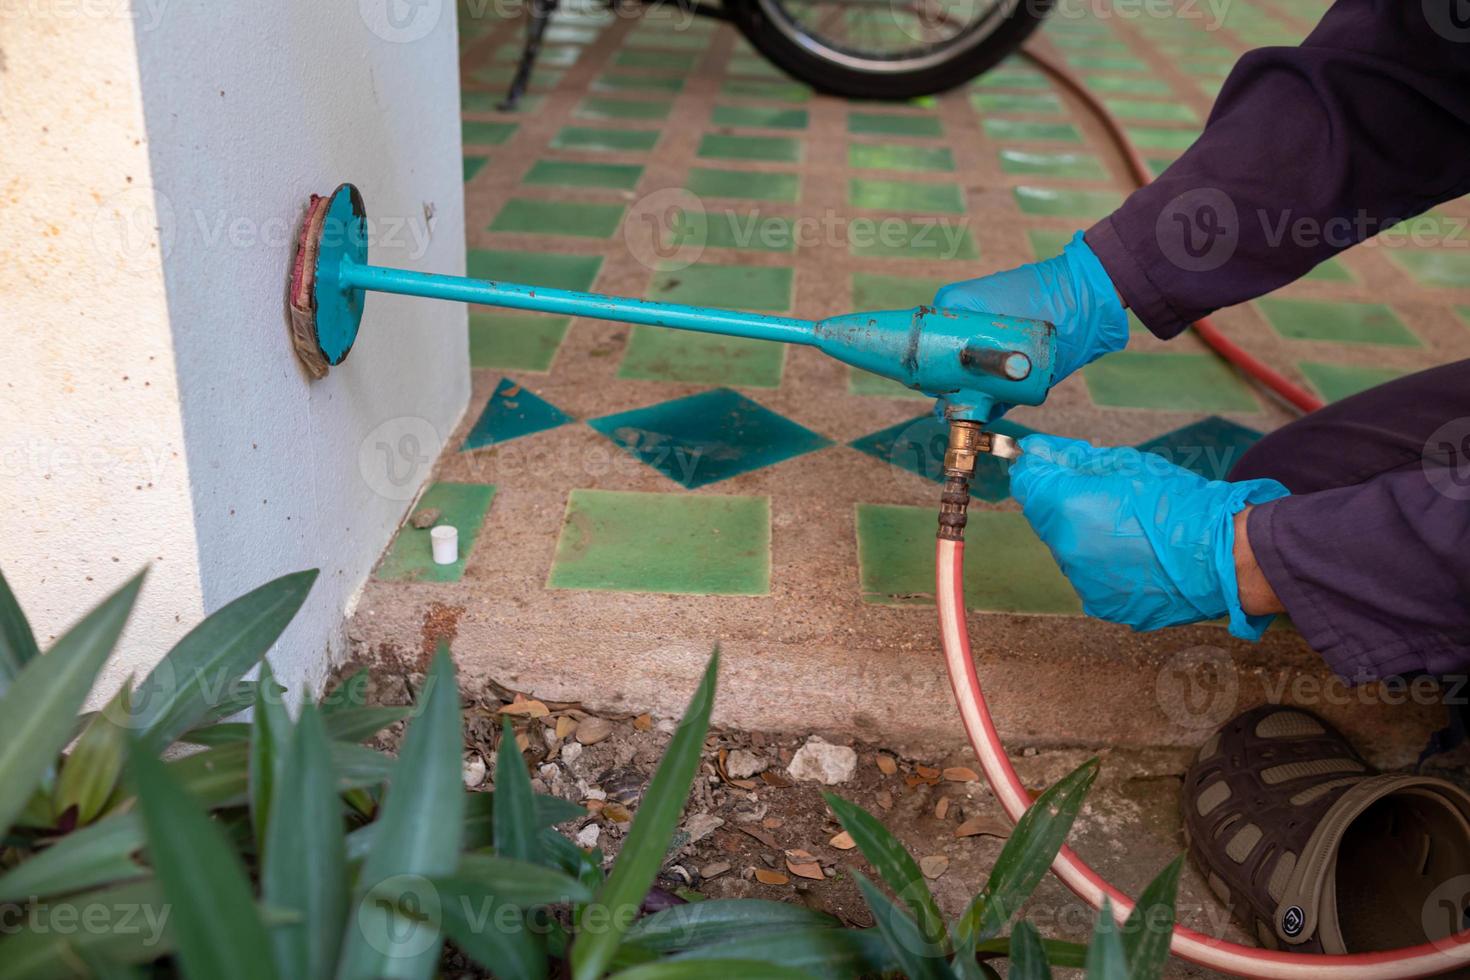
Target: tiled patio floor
{"type": "Point", "coordinates": [661, 157]}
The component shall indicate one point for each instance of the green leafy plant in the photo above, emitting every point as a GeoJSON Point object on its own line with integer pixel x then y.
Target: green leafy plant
{"type": "Point", "coordinates": [281, 848]}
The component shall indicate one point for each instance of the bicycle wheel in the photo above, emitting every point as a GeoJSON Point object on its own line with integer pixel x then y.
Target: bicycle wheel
{"type": "Point", "coordinates": [886, 49]}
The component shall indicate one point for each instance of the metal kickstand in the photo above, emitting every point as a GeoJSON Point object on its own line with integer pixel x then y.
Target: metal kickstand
{"type": "Point", "coordinates": [541, 11]}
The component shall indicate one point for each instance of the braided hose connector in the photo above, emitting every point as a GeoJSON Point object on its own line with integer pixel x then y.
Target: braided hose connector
{"type": "Point", "coordinates": [1428, 959]}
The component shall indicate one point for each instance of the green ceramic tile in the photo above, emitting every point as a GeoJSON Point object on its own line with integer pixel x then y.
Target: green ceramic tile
{"type": "Point", "coordinates": [473, 165]}
{"type": "Point", "coordinates": [680, 62]}
{"type": "Point", "coordinates": [1338, 381]}
{"type": "Point", "coordinates": [756, 67]}
{"type": "Point", "coordinates": [600, 108]}
{"type": "Point", "coordinates": [896, 562]}
{"type": "Point", "coordinates": [758, 88]}
{"type": "Point", "coordinates": [513, 411]}
{"type": "Point", "coordinates": [1167, 382]}
{"type": "Point", "coordinates": [760, 117]}
{"type": "Point", "coordinates": [612, 140]}
{"type": "Point", "coordinates": [1128, 84]}
{"type": "Point", "coordinates": [499, 76]}
{"type": "Point", "coordinates": [712, 182]}
{"type": "Point", "coordinates": [1348, 323]}
{"type": "Point", "coordinates": [568, 173]}
{"type": "Point", "coordinates": [1158, 138]}
{"type": "Point", "coordinates": [613, 81]}
{"type": "Point", "coordinates": [1022, 129]}
{"type": "Point", "coordinates": [1044, 104]}
{"type": "Point", "coordinates": [1435, 267]}
{"type": "Point", "coordinates": [659, 354]}
{"type": "Point", "coordinates": [1021, 78]}
{"type": "Point", "coordinates": [534, 268]}
{"type": "Point", "coordinates": [860, 382]}
{"type": "Point", "coordinates": [486, 133]}
{"type": "Point", "coordinates": [515, 341]}
{"type": "Point", "coordinates": [664, 542]}
{"type": "Point", "coordinates": [570, 34]}
{"type": "Point", "coordinates": [893, 124]}
{"type": "Point", "coordinates": [738, 286]}
{"type": "Point", "coordinates": [874, 156]}
{"type": "Point", "coordinates": [1157, 164]}
{"type": "Point", "coordinates": [1046, 243]}
{"type": "Point", "coordinates": [409, 558]}
{"type": "Point", "coordinates": [776, 149]}
{"type": "Point", "coordinates": [661, 36]}
{"type": "Point", "coordinates": [918, 445]}
{"type": "Point", "coordinates": [1464, 313]}
{"type": "Point", "coordinates": [899, 195]}
{"type": "Point", "coordinates": [1104, 62]}
{"type": "Point", "coordinates": [879, 292]}
{"type": "Point", "coordinates": [1082, 166]}
{"type": "Point", "coordinates": [709, 437]}
{"type": "Point", "coordinates": [1150, 110]}
{"type": "Point", "coordinates": [1209, 447]}
{"type": "Point", "coordinates": [559, 56]}
{"type": "Point", "coordinates": [722, 228]}
{"type": "Point", "coordinates": [538, 217]}
{"type": "Point", "coordinates": [1067, 203]}
{"type": "Point", "coordinates": [477, 101]}
{"type": "Point", "coordinates": [934, 240]}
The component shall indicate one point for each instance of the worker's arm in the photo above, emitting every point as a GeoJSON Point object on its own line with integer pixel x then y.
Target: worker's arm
{"type": "Point", "coordinates": [1307, 151]}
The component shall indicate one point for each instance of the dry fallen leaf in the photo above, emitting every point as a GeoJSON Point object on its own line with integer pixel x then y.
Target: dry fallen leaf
{"type": "Point", "coordinates": [843, 841]}
{"type": "Point", "coordinates": [565, 725]}
{"type": "Point", "coordinates": [934, 865]}
{"type": "Point", "coordinates": [803, 865]}
{"type": "Point", "coordinates": [770, 877]}
{"type": "Point", "coordinates": [984, 824]}
{"type": "Point", "coordinates": [886, 765]}
{"type": "Point", "coordinates": [961, 774]}
{"type": "Point", "coordinates": [643, 722]}
{"type": "Point", "coordinates": [927, 772]}
{"type": "Point", "coordinates": [771, 823]}
{"type": "Point", "coordinates": [761, 836]}
{"type": "Point", "coordinates": [744, 783]}
{"type": "Point", "coordinates": [941, 809]}
{"type": "Point", "coordinates": [714, 869]}
{"type": "Point", "coordinates": [885, 800]}
{"type": "Point", "coordinates": [592, 729]}
{"type": "Point", "coordinates": [617, 813]}
{"type": "Point", "coordinates": [528, 709]}
{"type": "Point", "coordinates": [775, 779]}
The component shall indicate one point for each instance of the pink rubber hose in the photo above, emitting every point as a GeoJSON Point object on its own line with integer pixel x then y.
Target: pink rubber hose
{"type": "Point", "coordinates": [1217, 954]}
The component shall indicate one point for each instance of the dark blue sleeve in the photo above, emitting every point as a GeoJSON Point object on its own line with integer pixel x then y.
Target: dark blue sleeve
{"type": "Point", "coordinates": [1307, 151]}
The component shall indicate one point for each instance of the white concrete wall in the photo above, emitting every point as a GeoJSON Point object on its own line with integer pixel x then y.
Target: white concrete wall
{"type": "Point", "coordinates": [93, 483]}
{"type": "Point", "coordinates": [226, 117]}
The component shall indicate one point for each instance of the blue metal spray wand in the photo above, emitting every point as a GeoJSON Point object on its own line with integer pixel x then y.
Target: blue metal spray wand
{"type": "Point", "coordinates": [968, 361]}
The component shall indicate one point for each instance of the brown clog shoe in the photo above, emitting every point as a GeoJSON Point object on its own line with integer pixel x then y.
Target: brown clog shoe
{"type": "Point", "coordinates": [1312, 850]}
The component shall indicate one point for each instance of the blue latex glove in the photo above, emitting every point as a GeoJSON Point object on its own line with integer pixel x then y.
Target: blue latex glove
{"type": "Point", "coordinates": [1072, 291]}
{"type": "Point", "coordinates": [1144, 542]}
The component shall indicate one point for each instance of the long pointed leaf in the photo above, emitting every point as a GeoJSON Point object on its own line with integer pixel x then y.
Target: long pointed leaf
{"type": "Point", "coordinates": [1150, 925]}
{"type": "Point", "coordinates": [219, 933]}
{"type": "Point", "coordinates": [648, 839]}
{"type": "Point", "coordinates": [304, 868]}
{"type": "Point", "coordinates": [1059, 952]}
{"type": "Point", "coordinates": [419, 835]}
{"type": "Point", "coordinates": [101, 854]}
{"type": "Point", "coordinates": [894, 865]}
{"type": "Point", "coordinates": [483, 905]}
{"type": "Point", "coordinates": [137, 926]}
{"type": "Point", "coordinates": [908, 945]}
{"type": "Point", "coordinates": [711, 970]}
{"type": "Point", "coordinates": [91, 772]}
{"type": "Point", "coordinates": [37, 711]}
{"type": "Point", "coordinates": [716, 920]}
{"type": "Point", "coordinates": [17, 642]}
{"type": "Point", "coordinates": [270, 739]}
{"type": "Point", "coordinates": [1028, 957]}
{"type": "Point", "coordinates": [195, 675]}
{"type": "Point", "coordinates": [1105, 957]}
{"type": "Point", "coordinates": [1027, 854]}
{"type": "Point", "coordinates": [836, 954]}
{"type": "Point", "coordinates": [479, 822]}
{"type": "Point", "coordinates": [516, 828]}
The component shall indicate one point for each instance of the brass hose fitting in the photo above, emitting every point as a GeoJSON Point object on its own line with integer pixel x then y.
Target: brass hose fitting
{"type": "Point", "coordinates": [966, 442]}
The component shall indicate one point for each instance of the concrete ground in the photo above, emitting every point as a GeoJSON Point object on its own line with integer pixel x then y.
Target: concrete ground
{"type": "Point", "coordinates": [776, 504]}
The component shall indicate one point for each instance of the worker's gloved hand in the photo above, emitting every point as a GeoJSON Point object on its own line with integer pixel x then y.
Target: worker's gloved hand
{"type": "Point", "coordinates": [1144, 542]}
{"type": "Point", "coordinates": [1072, 291]}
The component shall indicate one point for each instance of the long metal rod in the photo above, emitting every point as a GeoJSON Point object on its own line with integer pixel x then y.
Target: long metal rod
{"type": "Point", "coordinates": [574, 303]}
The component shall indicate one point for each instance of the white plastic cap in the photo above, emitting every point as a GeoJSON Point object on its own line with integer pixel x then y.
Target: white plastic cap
{"type": "Point", "coordinates": [445, 541]}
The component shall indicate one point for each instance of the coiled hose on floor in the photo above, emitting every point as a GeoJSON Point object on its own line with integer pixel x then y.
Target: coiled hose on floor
{"type": "Point", "coordinates": [1425, 960]}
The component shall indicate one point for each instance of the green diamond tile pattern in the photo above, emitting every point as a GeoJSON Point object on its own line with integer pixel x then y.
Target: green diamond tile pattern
{"type": "Point", "coordinates": [605, 140]}
{"type": "Point", "coordinates": [487, 133]}
{"type": "Point", "coordinates": [603, 108]}
{"type": "Point", "coordinates": [932, 240]}
{"type": "Point", "coordinates": [708, 437]}
{"type": "Point", "coordinates": [772, 149]}
{"type": "Point", "coordinates": [1067, 203]}
{"type": "Point", "coordinates": [896, 562]}
{"type": "Point", "coordinates": [766, 289]}
{"type": "Point", "coordinates": [1073, 166]}
{"type": "Point", "coordinates": [1338, 381]}
{"type": "Point", "coordinates": [760, 117]}
{"type": "Point", "coordinates": [1167, 382]}
{"type": "Point", "coordinates": [754, 88]}
{"type": "Point", "coordinates": [1018, 103]}
{"type": "Point", "coordinates": [918, 445]}
{"type": "Point", "coordinates": [573, 173]}
{"type": "Point", "coordinates": [512, 411]}
{"type": "Point", "coordinates": [664, 542]}
{"type": "Point", "coordinates": [900, 195]}
{"type": "Point", "coordinates": [615, 81]}
{"type": "Point", "coordinates": [539, 217]}
{"type": "Point", "coordinates": [515, 341]}
{"type": "Point", "coordinates": [410, 558]}
{"type": "Point", "coordinates": [473, 165]}
{"type": "Point", "coordinates": [658, 354]}
{"type": "Point", "coordinates": [1435, 267]}
{"type": "Point", "coordinates": [1209, 447]}
{"type": "Point", "coordinates": [720, 228]}
{"type": "Point", "coordinates": [1017, 130]}
{"type": "Point", "coordinates": [1343, 323]}
{"type": "Point", "coordinates": [873, 291]}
